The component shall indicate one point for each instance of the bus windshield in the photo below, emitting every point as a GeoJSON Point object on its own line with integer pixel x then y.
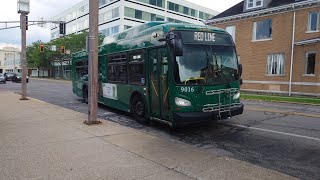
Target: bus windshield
{"type": "Point", "coordinates": [206, 65]}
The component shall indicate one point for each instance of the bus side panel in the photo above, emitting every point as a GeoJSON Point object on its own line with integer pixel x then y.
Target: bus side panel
{"type": "Point", "coordinates": [123, 95]}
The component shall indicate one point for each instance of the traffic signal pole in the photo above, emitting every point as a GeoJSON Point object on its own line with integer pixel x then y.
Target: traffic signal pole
{"type": "Point", "coordinates": [23, 57]}
{"type": "Point", "coordinates": [93, 63]}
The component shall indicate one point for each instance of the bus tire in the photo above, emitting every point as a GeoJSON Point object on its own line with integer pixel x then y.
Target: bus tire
{"type": "Point", "coordinates": [85, 95]}
{"type": "Point", "coordinates": [138, 109]}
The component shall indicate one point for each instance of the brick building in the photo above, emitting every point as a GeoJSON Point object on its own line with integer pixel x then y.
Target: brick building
{"type": "Point", "coordinates": [278, 42]}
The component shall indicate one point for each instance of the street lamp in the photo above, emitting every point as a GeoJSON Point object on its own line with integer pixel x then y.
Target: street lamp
{"type": "Point", "coordinates": [23, 10]}
{"type": "Point", "coordinates": [23, 6]}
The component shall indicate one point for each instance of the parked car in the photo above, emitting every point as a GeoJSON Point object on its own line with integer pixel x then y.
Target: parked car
{"type": "Point", "coordinates": [9, 76]}
{"type": "Point", "coordinates": [2, 79]}
{"type": "Point", "coordinates": [17, 77]}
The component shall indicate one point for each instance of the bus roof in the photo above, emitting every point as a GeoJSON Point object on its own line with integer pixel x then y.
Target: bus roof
{"type": "Point", "coordinates": [140, 36]}
{"type": "Point", "coordinates": [147, 28]}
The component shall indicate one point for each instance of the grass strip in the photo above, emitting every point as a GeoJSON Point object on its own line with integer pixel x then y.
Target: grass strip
{"type": "Point", "coordinates": [273, 98]}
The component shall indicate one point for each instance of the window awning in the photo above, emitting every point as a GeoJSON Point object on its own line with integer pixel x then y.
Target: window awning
{"type": "Point", "coordinates": [308, 41]}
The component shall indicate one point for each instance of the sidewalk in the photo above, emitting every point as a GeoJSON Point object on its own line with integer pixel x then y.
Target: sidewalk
{"type": "Point", "coordinates": [44, 141]}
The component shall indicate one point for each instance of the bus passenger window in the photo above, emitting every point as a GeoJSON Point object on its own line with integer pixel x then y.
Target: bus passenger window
{"type": "Point", "coordinates": [81, 69]}
{"type": "Point", "coordinates": [117, 68]}
{"type": "Point", "coordinates": [136, 69]}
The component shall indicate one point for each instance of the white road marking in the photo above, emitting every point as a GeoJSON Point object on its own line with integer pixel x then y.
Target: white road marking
{"type": "Point", "coordinates": [276, 132]}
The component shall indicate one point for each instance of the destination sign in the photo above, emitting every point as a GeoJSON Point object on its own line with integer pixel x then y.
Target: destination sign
{"type": "Point", "coordinates": [202, 37]}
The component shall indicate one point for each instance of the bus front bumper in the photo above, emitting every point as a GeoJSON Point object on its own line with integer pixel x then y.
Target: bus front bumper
{"type": "Point", "coordinates": [185, 118]}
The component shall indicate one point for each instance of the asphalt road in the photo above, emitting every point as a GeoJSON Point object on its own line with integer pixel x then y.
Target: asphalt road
{"type": "Point", "coordinates": [282, 137]}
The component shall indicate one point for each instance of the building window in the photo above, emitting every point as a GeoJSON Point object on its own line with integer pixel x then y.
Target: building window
{"type": "Point", "coordinates": [185, 10]}
{"type": "Point", "coordinates": [176, 7]}
{"type": "Point", "coordinates": [155, 17]}
{"type": "Point", "coordinates": [138, 14]}
{"type": "Point", "coordinates": [129, 12]}
{"type": "Point", "coordinates": [275, 64]}
{"type": "Point", "coordinates": [310, 63]}
{"type": "Point", "coordinates": [127, 27]}
{"type": "Point", "coordinates": [193, 12]}
{"type": "Point", "coordinates": [313, 21]}
{"type": "Point", "coordinates": [176, 21]}
{"type": "Point", "coordinates": [159, 3]}
{"type": "Point", "coordinates": [232, 31]}
{"type": "Point", "coordinates": [201, 15]}
{"type": "Point", "coordinates": [171, 6]}
{"type": "Point", "coordinates": [106, 16]}
{"type": "Point", "coordinates": [254, 4]}
{"type": "Point", "coordinates": [114, 30]}
{"type": "Point", "coordinates": [262, 30]}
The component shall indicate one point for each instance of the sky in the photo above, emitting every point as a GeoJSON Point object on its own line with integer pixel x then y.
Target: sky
{"type": "Point", "coordinates": [49, 8]}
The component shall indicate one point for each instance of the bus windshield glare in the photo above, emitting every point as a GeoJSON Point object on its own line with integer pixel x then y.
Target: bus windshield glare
{"type": "Point", "coordinates": [206, 65]}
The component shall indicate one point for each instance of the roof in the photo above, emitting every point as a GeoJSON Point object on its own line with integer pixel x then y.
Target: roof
{"type": "Point", "coordinates": [239, 9]}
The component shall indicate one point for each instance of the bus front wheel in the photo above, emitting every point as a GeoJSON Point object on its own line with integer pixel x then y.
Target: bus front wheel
{"type": "Point", "coordinates": [138, 109]}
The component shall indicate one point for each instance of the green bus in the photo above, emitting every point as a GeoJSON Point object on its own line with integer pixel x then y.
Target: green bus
{"type": "Point", "coordinates": [174, 73]}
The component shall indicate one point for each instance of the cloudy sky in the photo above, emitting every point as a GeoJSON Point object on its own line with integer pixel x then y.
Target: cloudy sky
{"type": "Point", "coordinates": [49, 8]}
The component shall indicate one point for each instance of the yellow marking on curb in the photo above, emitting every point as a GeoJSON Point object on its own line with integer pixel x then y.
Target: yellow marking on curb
{"type": "Point", "coordinates": [283, 112]}
{"type": "Point", "coordinates": [53, 80]}
{"type": "Point", "coordinates": [37, 100]}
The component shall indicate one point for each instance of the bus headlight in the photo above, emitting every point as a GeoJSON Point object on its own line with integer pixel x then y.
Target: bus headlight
{"type": "Point", "coordinates": [236, 96]}
{"type": "Point", "coordinates": [182, 102]}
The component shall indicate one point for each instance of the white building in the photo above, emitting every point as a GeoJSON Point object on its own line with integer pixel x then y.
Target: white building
{"type": "Point", "coordinates": [10, 60]}
{"type": "Point", "coordinates": [118, 15]}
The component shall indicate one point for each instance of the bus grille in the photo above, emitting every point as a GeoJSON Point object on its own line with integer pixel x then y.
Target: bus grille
{"type": "Point", "coordinates": [224, 104]}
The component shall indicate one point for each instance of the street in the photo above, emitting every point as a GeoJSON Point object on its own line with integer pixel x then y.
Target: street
{"type": "Point", "coordinates": [277, 136]}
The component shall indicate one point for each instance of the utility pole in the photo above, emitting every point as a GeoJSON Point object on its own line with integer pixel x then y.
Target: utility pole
{"type": "Point", "coordinates": [23, 57]}
{"type": "Point", "coordinates": [93, 63]}
{"type": "Point", "coordinates": [23, 9]}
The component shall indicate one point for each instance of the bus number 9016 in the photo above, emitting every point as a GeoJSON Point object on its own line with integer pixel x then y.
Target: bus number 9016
{"type": "Point", "coordinates": [187, 89]}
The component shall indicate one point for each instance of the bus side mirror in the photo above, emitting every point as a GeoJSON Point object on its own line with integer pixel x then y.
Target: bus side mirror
{"type": "Point", "coordinates": [240, 69]}
{"type": "Point", "coordinates": [175, 41]}
{"type": "Point", "coordinates": [178, 47]}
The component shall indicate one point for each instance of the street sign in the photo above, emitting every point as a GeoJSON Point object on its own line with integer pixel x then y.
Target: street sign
{"type": "Point", "coordinates": [53, 48]}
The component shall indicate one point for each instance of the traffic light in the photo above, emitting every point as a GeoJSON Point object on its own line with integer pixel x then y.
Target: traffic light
{"type": "Point", "coordinates": [26, 22]}
{"type": "Point", "coordinates": [41, 47]}
{"type": "Point", "coordinates": [62, 50]}
{"type": "Point", "coordinates": [62, 28]}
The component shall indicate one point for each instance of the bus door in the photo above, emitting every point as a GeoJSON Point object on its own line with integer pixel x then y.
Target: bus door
{"type": "Point", "coordinates": [159, 89]}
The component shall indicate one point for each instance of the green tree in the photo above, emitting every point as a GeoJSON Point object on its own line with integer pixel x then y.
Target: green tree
{"type": "Point", "coordinates": [73, 43]}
